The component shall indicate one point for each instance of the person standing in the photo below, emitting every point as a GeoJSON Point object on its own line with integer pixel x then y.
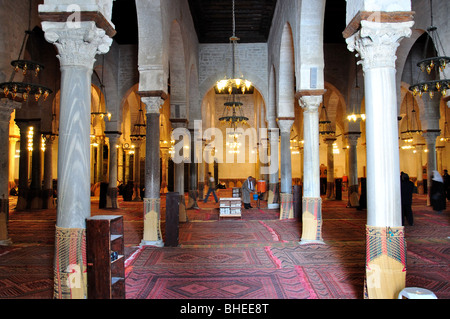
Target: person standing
{"type": "Point", "coordinates": [437, 193]}
{"type": "Point", "coordinates": [211, 189]}
{"type": "Point", "coordinates": [446, 178]}
{"type": "Point", "coordinates": [247, 188]}
{"type": "Point", "coordinates": [407, 188]}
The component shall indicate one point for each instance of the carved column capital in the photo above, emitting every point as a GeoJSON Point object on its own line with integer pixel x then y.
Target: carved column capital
{"type": "Point", "coordinates": [377, 43]}
{"type": "Point", "coordinates": [352, 138]}
{"type": "Point", "coordinates": [152, 103]}
{"type": "Point", "coordinates": [77, 46]}
{"type": "Point", "coordinates": [285, 125]}
{"type": "Point", "coordinates": [311, 103]}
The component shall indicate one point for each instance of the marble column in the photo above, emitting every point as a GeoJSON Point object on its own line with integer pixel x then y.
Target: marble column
{"type": "Point", "coordinates": [112, 192]}
{"type": "Point", "coordinates": [377, 43]}
{"type": "Point", "coordinates": [312, 202]}
{"type": "Point", "coordinates": [353, 197]}
{"type": "Point", "coordinates": [419, 163]}
{"type": "Point", "coordinates": [274, 190]}
{"type": "Point", "coordinates": [137, 170]}
{"type": "Point", "coordinates": [35, 200]}
{"type": "Point", "coordinates": [47, 191]}
{"type": "Point", "coordinates": [331, 192]}
{"type": "Point", "coordinates": [164, 168]}
{"type": "Point", "coordinates": [430, 137]}
{"type": "Point", "coordinates": [22, 199]}
{"type": "Point", "coordinates": [152, 199]}
{"type": "Point", "coordinates": [120, 170]}
{"type": "Point", "coordinates": [77, 48]}
{"type": "Point", "coordinates": [6, 108]}
{"type": "Point", "coordinates": [12, 153]}
{"type": "Point", "coordinates": [286, 196]}
{"type": "Point", "coordinates": [99, 168]}
{"type": "Point", "coordinates": [179, 174]}
{"type": "Point", "coordinates": [193, 174]}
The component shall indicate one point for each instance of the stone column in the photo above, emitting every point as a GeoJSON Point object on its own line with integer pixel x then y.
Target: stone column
{"type": "Point", "coordinates": [77, 48]}
{"type": "Point", "coordinates": [274, 191]}
{"type": "Point", "coordinates": [193, 174]}
{"type": "Point", "coordinates": [286, 205]}
{"type": "Point", "coordinates": [120, 170]}
{"type": "Point", "coordinates": [6, 108]}
{"type": "Point", "coordinates": [430, 137]}
{"type": "Point", "coordinates": [137, 170]}
{"type": "Point", "coordinates": [419, 163]}
{"type": "Point", "coordinates": [164, 167]}
{"type": "Point", "coordinates": [12, 153]}
{"type": "Point", "coordinates": [312, 202]}
{"type": "Point", "coordinates": [23, 166]}
{"type": "Point", "coordinates": [439, 157]}
{"type": "Point", "coordinates": [112, 192]}
{"type": "Point", "coordinates": [152, 200]}
{"type": "Point", "coordinates": [377, 43]}
{"type": "Point", "coordinates": [179, 174]}
{"type": "Point", "coordinates": [353, 197]}
{"type": "Point", "coordinates": [100, 142]}
{"type": "Point", "coordinates": [47, 191]}
{"type": "Point", "coordinates": [35, 200]}
{"type": "Point", "coordinates": [331, 192]}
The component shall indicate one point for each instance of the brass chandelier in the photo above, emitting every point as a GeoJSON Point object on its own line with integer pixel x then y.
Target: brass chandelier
{"type": "Point", "coordinates": [433, 66]}
{"type": "Point", "coordinates": [233, 114]}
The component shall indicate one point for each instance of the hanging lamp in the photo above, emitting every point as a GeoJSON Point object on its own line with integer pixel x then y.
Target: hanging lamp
{"type": "Point", "coordinates": [20, 91]}
{"type": "Point", "coordinates": [432, 79]}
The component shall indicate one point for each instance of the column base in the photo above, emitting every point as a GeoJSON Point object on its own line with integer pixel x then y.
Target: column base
{"type": "Point", "coordinates": [6, 242]}
{"type": "Point", "coordinates": [183, 215]}
{"type": "Point", "coordinates": [158, 243]}
{"type": "Point", "coordinates": [312, 219]}
{"type": "Point", "coordinates": [111, 198]}
{"type": "Point", "coordinates": [192, 203]}
{"type": "Point", "coordinates": [385, 262]}
{"type": "Point", "coordinates": [273, 197]}
{"type": "Point", "coordinates": [286, 207]}
{"type": "Point", "coordinates": [48, 202]}
{"type": "Point", "coordinates": [152, 221]}
{"type": "Point", "coordinates": [353, 196]}
{"type": "Point", "coordinates": [70, 276]}
{"type": "Point", "coordinates": [311, 242]}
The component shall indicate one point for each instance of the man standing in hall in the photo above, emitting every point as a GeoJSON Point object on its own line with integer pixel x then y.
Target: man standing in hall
{"type": "Point", "coordinates": [211, 189]}
{"type": "Point", "coordinates": [247, 188]}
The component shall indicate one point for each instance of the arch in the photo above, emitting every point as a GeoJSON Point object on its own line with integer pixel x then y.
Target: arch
{"type": "Point", "coordinates": [286, 75]}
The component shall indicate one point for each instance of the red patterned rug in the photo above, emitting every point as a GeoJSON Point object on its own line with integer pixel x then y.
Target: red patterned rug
{"type": "Point", "coordinates": [216, 284]}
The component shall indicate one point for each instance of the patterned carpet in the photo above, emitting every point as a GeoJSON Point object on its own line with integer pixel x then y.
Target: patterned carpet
{"type": "Point", "coordinates": [256, 257]}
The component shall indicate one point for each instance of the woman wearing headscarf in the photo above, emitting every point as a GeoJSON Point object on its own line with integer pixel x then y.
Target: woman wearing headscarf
{"type": "Point", "coordinates": [437, 192]}
{"type": "Point", "coordinates": [407, 188]}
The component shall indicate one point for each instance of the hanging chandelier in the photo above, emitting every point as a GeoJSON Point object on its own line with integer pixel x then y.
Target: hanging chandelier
{"type": "Point", "coordinates": [98, 112]}
{"type": "Point", "coordinates": [20, 91]}
{"type": "Point", "coordinates": [233, 114]}
{"type": "Point", "coordinates": [434, 67]}
{"type": "Point", "coordinates": [412, 127]}
{"type": "Point", "coordinates": [446, 136]}
{"type": "Point", "coordinates": [139, 131]}
{"type": "Point", "coordinates": [325, 123]}
{"type": "Point", "coordinates": [355, 116]}
{"type": "Point", "coordinates": [233, 85]}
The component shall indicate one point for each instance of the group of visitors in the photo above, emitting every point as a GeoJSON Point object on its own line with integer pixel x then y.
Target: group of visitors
{"type": "Point", "coordinates": [439, 194]}
{"type": "Point", "coordinates": [247, 188]}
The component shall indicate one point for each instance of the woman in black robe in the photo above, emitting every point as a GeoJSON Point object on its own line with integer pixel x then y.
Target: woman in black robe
{"type": "Point", "coordinates": [437, 192]}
